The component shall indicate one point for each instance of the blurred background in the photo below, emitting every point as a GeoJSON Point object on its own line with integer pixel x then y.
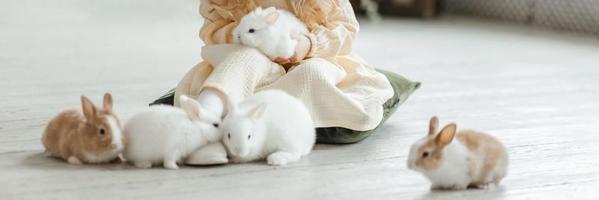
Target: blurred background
{"type": "Point", "coordinates": [573, 15]}
{"type": "Point", "coordinates": [142, 48]}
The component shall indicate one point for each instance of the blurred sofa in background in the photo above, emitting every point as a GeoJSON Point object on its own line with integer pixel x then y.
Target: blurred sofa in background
{"type": "Point", "coordinates": [572, 15]}
{"type": "Point", "coordinates": [413, 8]}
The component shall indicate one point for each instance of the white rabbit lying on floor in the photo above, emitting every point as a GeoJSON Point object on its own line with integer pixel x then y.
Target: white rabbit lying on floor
{"type": "Point", "coordinates": [166, 134]}
{"type": "Point", "coordinates": [270, 124]}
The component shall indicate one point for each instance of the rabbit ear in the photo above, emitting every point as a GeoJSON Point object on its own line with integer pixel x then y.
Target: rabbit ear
{"type": "Point", "coordinates": [433, 126]}
{"type": "Point", "coordinates": [89, 109]}
{"type": "Point", "coordinates": [446, 135]}
{"type": "Point", "coordinates": [272, 17]}
{"type": "Point", "coordinates": [191, 107]}
{"type": "Point", "coordinates": [230, 106]}
{"type": "Point", "coordinates": [107, 102]}
{"type": "Point", "coordinates": [256, 112]}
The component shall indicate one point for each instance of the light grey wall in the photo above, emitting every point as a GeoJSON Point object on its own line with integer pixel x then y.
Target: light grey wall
{"type": "Point", "coordinates": [74, 11]}
{"type": "Point", "coordinates": [574, 15]}
{"type": "Point", "coordinates": [86, 35]}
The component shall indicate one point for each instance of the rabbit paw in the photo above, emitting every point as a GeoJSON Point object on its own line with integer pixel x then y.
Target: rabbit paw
{"type": "Point", "coordinates": [281, 158]}
{"type": "Point", "coordinates": [276, 160]}
{"type": "Point", "coordinates": [74, 160]}
{"type": "Point", "coordinates": [170, 165]}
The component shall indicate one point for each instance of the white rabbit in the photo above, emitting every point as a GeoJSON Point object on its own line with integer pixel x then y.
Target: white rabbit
{"type": "Point", "coordinates": [166, 134]}
{"type": "Point", "coordinates": [270, 124]}
{"type": "Point", "coordinates": [473, 159]}
{"type": "Point", "coordinates": [270, 31]}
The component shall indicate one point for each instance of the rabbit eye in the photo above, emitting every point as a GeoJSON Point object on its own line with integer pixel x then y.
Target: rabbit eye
{"type": "Point", "coordinates": [252, 30]}
{"type": "Point", "coordinates": [229, 135]}
{"type": "Point", "coordinates": [425, 154]}
{"type": "Point", "coordinates": [102, 131]}
{"type": "Point", "coordinates": [215, 125]}
{"type": "Point", "coordinates": [249, 136]}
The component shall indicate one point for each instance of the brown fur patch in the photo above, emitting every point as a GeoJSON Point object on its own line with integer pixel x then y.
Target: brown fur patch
{"type": "Point", "coordinates": [434, 145]}
{"type": "Point", "coordinates": [471, 165]}
{"type": "Point", "coordinates": [433, 125]}
{"type": "Point", "coordinates": [91, 139]}
{"type": "Point", "coordinates": [71, 133]}
{"type": "Point", "coordinates": [446, 135]}
{"type": "Point", "coordinates": [433, 160]}
{"type": "Point", "coordinates": [61, 131]}
{"type": "Point", "coordinates": [487, 150]}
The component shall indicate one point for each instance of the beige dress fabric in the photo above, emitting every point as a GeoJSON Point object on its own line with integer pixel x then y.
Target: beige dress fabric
{"type": "Point", "coordinates": [339, 88]}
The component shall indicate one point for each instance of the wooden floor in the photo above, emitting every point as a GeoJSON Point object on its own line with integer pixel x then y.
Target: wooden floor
{"type": "Point", "coordinates": [536, 90]}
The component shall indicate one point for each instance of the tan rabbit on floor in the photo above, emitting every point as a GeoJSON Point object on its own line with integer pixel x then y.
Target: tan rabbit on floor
{"type": "Point", "coordinates": [87, 135]}
{"type": "Point", "coordinates": [472, 159]}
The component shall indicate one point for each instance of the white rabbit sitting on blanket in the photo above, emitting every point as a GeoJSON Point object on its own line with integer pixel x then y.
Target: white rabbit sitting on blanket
{"type": "Point", "coordinates": [271, 31]}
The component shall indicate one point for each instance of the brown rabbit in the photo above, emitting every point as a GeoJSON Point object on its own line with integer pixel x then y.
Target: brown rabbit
{"type": "Point", "coordinates": [92, 136]}
{"type": "Point", "coordinates": [472, 159]}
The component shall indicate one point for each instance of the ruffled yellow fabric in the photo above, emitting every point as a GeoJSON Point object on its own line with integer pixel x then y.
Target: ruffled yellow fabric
{"type": "Point", "coordinates": [337, 86]}
{"type": "Point", "coordinates": [332, 23]}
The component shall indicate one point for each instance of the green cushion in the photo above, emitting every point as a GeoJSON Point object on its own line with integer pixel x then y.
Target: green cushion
{"type": "Point", "coordinates": [402, 87]}
{"type": "Point", "coordinates": [336, 135]}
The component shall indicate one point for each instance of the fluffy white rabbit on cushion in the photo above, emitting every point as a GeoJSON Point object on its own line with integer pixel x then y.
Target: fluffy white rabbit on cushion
{"type": "Point", "coordinates": [270, 124]}
{"type": "Point", "coordinates": [271, 31]}
{"type": "Point", "coordinates": [166, 134]}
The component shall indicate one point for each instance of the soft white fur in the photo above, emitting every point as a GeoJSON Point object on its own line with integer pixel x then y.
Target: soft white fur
{"type": "Point", "coordinates": [166, 134]}
{"type": "Point", "coordinates": [274, 40]}
{"type": "Point", "coordinates": [117, 135]}
{"type": "Point", "coordinates": [211, 154]}
{"type": "Point", "coordinates": [280, 126]}
{"type": "Point", "coordinates": [453, 171]}
{"type": "Point", "coordinates": [210, 100]}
